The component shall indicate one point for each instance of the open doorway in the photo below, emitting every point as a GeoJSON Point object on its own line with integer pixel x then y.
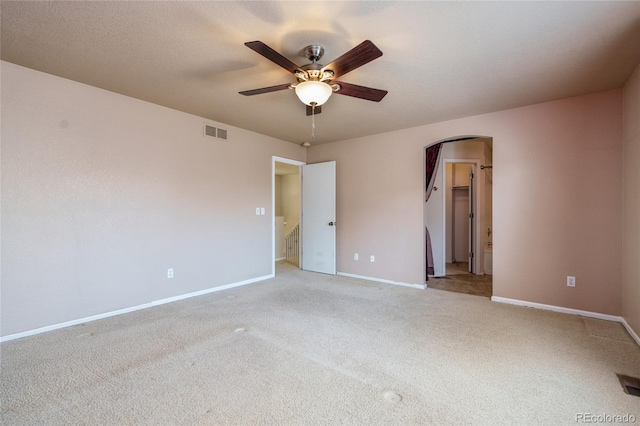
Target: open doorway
{"type": "Point", "coordinates": [304, 212]}
{"type": "Point", "coordinates": [461, 217]}
{"type": "Point", "coordinates": [286, 211]}
{"type": "Point", "coordinates": [458, 216]}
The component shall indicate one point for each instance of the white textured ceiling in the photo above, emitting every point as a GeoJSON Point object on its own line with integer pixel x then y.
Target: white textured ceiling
{"type": "Point", "coordinates": [442, 60]}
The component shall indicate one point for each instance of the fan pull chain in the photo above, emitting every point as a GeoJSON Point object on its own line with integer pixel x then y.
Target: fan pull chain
{"type": "Point", "coordinates": [313, 121]}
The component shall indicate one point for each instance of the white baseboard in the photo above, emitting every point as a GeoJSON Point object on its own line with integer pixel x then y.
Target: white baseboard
{"type": "Point", "coordinates": [380, 280]}
{"type": "Point", "coordinates": [569, 311]}
{"type": "Point", "coordinates": [631, 331]}
{"type": "Point", "coordinates": [556, 309]}
{"type": "Point", "coordinates": [131, 309]}
{"type": "Point", "coordinates": [280, 258]}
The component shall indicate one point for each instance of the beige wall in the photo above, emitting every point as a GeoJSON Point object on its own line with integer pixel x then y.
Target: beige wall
{"type": "Point", "coordinates": [102, 193]}
{"type": "Point", "coordinates": [557, 200]}
{"type": "Point", "coordinates": [631, 185]}
{"type": "Point", "coordinates": [291, 201]}
{"type": "Point", "coordinates": [287, 199]}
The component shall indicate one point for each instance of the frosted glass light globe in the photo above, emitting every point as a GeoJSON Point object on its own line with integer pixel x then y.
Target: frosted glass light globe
{"type": "Point", "coordinates": [313, 91]}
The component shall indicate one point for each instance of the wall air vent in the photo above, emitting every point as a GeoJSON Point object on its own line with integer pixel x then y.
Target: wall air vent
{"type": "Point", "coordinates": [214, 132]}
{"type": "Point", "coordinates": [210, 131]}
{"type": "Point", "coordinates": [630, 385]}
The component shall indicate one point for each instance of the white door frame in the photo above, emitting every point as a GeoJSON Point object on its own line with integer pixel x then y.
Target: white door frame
{"type": "Point", "coordinates": [274, 160]}
{"type": "Point", "coordinates": [478, 258]}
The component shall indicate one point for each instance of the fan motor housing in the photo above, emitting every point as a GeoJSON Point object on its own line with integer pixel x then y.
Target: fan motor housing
{"type": "Point", "coordinates": [314, 52]}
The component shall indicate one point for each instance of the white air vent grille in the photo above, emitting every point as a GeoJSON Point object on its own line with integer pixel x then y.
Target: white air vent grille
{"type": "Point", "coordinates": [215, 132]}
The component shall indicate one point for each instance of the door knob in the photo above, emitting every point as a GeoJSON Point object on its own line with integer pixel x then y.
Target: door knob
{"type": "Point", "coordinates": [331, 223]}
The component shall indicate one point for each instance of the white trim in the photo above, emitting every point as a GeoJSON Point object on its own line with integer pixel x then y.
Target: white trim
{"type": "Point", "coordinates": [630, 330]}
{"type": "Point", "coordinates": [569, 311]}
{"type": "Point", "coordinates": [380, 280]}
{"type": "Point", "coordinates": [280, 258]}
{"type": "Point", "coordinates": [554, 308]}
{"type": "Point", "coordinates": [287, 161]}
{"type": "Point", "coordinates": [131, 309]}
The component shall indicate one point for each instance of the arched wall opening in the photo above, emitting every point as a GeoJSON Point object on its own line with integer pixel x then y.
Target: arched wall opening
{"type": "Point", "coordinates": [459, 212]}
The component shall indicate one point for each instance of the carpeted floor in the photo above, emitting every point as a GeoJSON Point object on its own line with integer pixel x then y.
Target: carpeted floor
{"type": "Point", "coordinates": [305, 349]}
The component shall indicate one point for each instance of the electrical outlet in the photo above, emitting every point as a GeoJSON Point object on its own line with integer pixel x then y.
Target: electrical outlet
{"type": "Point", "coordinates": [355, 256]}
{"type": "Point", "coordinates": [571, 281]}
{"type": "Point", "coordinates": [170, 273]}
{"type": "Point", "coordinates": [372, 258]}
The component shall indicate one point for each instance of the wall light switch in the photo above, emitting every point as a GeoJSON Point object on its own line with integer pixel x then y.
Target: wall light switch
{"type": "Point", "coordinates": [355, 256]}
{"type": "Point", "coordinates": [258, 211]}
{"type": "Point", "coordinates": [373, 258]}
{"type": "Point", "coordinates": [262, 211]}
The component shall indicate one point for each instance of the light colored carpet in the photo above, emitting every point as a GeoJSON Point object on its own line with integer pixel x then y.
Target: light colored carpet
{"type": "Point", "coordinates": [306, 349]}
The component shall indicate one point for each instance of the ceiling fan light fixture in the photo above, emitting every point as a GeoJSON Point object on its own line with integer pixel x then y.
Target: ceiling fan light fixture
{"type": "Point", "coordinates": [313, 92]}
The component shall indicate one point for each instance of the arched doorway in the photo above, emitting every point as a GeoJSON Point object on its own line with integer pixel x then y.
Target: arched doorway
{"type": "Point", "coordinates": [458, 215]}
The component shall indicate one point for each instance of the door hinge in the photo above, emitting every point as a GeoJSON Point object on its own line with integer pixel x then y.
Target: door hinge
{"type": "Point", "coordinates": [471, 255]}
{"type": "Point", "coordinates": [470, 215]}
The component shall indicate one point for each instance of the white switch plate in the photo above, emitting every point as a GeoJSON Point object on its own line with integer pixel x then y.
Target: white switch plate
{"type": "Point", "coordinates": [373, 258]}
{"type": "Point", "coordinates": [258, 210]}
{"type": "Point", "coordinates": [170, 273]}
{"type": "Point", "coordinates": [262, 211]}
{"type": "Point", "coordinates": [355, 256]}
{"type": "Point", "coordinates": [571, 281]}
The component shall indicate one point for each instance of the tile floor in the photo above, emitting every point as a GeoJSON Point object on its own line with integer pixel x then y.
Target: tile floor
{"type": "Point", "coordinates": [459, 280]}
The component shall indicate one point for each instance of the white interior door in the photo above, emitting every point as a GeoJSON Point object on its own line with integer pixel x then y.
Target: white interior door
{"type": "Point", "coordinates": [319, 217]}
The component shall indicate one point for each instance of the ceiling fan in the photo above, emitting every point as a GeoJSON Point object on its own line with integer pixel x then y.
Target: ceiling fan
{"type": "Point", "coordinates": [316, 82]}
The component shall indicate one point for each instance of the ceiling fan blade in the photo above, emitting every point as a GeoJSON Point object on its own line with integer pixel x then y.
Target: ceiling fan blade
{"type": "Point", "coordinates": [361, 92]}
{"type": "Point", "coordinates": [310, 112]}
{"type": "Point", "coordinates": [272, 55]}
{"type": "Point", "coordinates": [358, 56]}
{"type": "Point", "coordinates": [265, 89]}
